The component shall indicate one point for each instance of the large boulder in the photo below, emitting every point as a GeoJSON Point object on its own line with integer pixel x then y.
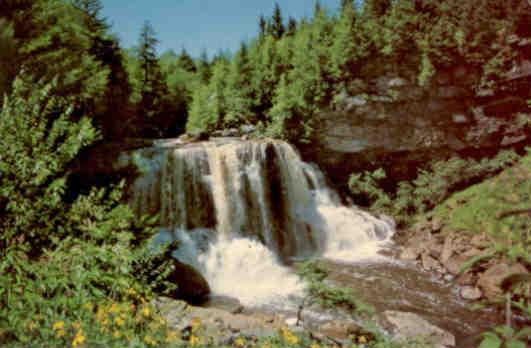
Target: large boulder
{"type": "Point", "coordinates": [491, 280]}
{"type": "Point", "coordinates": [405, 325]}
{"type": "Point", "coordinates": [191, 285]}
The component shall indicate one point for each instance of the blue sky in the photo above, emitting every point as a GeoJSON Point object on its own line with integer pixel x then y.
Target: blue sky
{"type": "Point", "coordinates": [198, 24]}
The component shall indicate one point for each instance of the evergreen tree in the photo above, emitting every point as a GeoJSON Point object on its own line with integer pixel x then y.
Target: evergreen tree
{"type": "Point", "coordinates": [203, 68]}
{"type": "Point", "coordinates": [292, 26]}
{"type": "Point", "coordinates": [152, 84]}
{"type": "Point", "coordinates": [186, 62]}
{"type": "Point", "coordinates": [239, 94]}
{"type": "Point", "coordinates": [262, 26]}
{"type": "Point", "coordinates": [276, 27]}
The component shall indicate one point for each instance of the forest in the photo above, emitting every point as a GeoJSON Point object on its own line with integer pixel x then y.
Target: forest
{"type": "Point", "coordinates": [77, 267]}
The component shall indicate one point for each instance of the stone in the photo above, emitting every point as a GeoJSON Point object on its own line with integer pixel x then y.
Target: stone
{"type": "Point", "coordinates": [459, 118]}
{"type": "Point", "coordinates": [407, 325]}
{"type": "Point", "coordinates": [226, 303]}
{"type": "Point", "coordinates": [230, 132]}
{"type": "Point", "coordinates": [451, 92]}
{"type": "Point", "coordinates": [490, 281]}
{"type": "Point", "coordinates": [410, 254]}
{"type": "Point", "coordinates": [397, 82]}
{"type": "Point", "coordinates": [338, 331]}
{"type": "Point", "coordinates": [467, 278]}
{"type": "Point", "coordinates": [470, 293]}
{"type": "Point", "coordinates": [247, 129]}
{"type": "Point", "coordinates": [447, 250]}
{"type": "Point", "coordinates": [430, 264]}
{"type": "Point", "coordinates": [436, 225]}
{"type": "Point", "coordinates": [191, 285]}
{"type": "Point", "coordinates": [480, 241]}
{"type": "Point", "coordinates": [355, 101]}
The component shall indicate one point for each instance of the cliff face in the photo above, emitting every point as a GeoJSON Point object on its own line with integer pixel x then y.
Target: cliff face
{"type": "Point", "coordinates": [392, 123]}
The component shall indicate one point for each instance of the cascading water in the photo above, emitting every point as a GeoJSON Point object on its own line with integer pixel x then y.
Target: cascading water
{"type": "Point", "coordinates": [242, 209]}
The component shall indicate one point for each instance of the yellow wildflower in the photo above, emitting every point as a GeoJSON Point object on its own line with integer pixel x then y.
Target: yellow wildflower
{"type": "Point", "coordinates": [288, 336]}
{"type": "Point", "coordinates": [195, 323]}
{"type": "Point", "coordinates": [76, 325]}
{"type": "Point", "coordinates": [315, 345]}
{"type": "Point", "coordinates": [171, 336]}
{"type": "Point", "coordinates": [60, 333]}
{"type": "Point", "coordinates": [59, 325]}
{"type": "Point", "coordinates": [150, 340]}
{"type": "Point", "coordinates": [362, 339]}
{"type": "Point", "coordinates": [116, 334]}
{"type": "Point", "coordinates": [146, 311]}
{"type": "Point", "coordinates": [79, 338]}
{"type": "Point", "coordinates": [119, 321]}
{"type": "Point", "coordinates": [88, 306]}
{"type": "Point", "coordinates": [114, 308]}
{"type": "Point", "coordinates": [194, 340]}
{"type": "Point", "coordinates": [239, 342]}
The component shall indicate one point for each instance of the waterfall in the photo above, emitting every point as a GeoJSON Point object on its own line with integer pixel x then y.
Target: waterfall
{"type": "Point", "coordinates": [242, 209]}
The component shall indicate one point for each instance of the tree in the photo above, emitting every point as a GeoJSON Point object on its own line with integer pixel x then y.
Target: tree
{"type": "Point", "coordinates": [186, 62]}
{"type": "Point", "coordinates": [262, 26]}
{"type": "Point", "coordinates": [203, 67]}
{"type": "Point", "coordinates": [276, 27]}
{"type": "Point", "coordinates": [153, 87]}
{"type": "Point", "coordinates": [292, 26]}
{"type": "Point", "coordinates": [239, 93]}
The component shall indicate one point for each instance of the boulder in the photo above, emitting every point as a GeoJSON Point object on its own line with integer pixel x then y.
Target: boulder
{"type": "Point", "coordinates": [490, 281]}
{"type": "Point", "coordinates": [405, 325]}
{"type": "Point", "coordinates": [410, 253]}
{"type": "Point", "coordinates": [470, 293]}
{"type": "Point", "coordinates": [191, 285]}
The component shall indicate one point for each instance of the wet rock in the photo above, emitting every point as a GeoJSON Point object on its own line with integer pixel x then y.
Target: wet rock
{"type": "Point", "coordinates": [470, 293]}
{"type": "Point", "coordinates": [455, 263]}
{"type": "Point", "coordinates": [247, 129]}
{"type": "Point", "coordinates": [479, 241]}
{"type": "Point", "coordinates": [490, 281]}
{"type": "Point", "coordinates": [230, 132]}
{"type": "Point", "coordinates": [436, 225]}
{"type": "Point", "coordinates": [410, 254]}
{"type": "Point", "coordinates": [192, 286]}
{"type": "Point", "coordinates": [229, 304]}
{"type": "Point", "coordinates": [431, 264]}
{"type": "Point", "coordinates": [338, 331]}
{"type": "Point", "coordinates": [407, 325]}
{"type": "Point", "coordinates": [467, 278]}
{"type": "Point", "coordinates": [448, 248]}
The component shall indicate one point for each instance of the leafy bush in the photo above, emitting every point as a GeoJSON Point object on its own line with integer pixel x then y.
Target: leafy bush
{"type": "Point", "coordinates": [62, 256]}
{"type": "Point", "coordinates": [431, 187]}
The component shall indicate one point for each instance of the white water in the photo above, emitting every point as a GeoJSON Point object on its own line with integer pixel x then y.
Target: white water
{"type": "Point", "coordinates": [242, 209]}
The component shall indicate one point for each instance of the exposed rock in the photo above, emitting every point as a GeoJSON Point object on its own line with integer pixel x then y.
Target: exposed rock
{"type": "Point", "coordinates": [247, 129]}
{"type": "Point", "coordinates": [467, 278]}
{"type": "Point", "coordinates": [430, 264]}
{"type": "Point", "coordinates": [447, 250]}
{"type": "Point", "coordinates": [226, 303]}
{"type": "Point", "coordinates": [409, 325]}
{"type": "Point", "coordinates": [230, 132]}
{"type": "Point", "coordinates": [480, 241]}
{"type": "Point", "coordinates": [459, 118]}
{"type": "Point", "coordinates": [397, 82]}
{"type": "Point", "coordinates": [192, 286]}
{"type": "Point", "coordinates": [436, 225]}
{"type": "Point", "coordinates": [410, 254]}
{"type": "Point", "coordinates": [470, 293]}
{"type": "Point", "coordinates": [455, 263]}
{"type": "Point", "coordinates": [490, 281]}
{"type": "Point", "coordinates": [339, 331]}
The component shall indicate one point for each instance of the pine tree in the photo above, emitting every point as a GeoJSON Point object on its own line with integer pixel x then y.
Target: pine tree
{"type": "Point", "coordinates": [292, 26]}
{"type": "Point", "coordinates": [239, 94]}
{"type": "Point", "coordinates": [152, 84]}
{"type": "Point", "coordinates": [276, 26]}
{"type": "Point", "coordinates": [203, 67]}
{"type": "Point", "coordinates": [262, 26]}
{"type": "Point", "coordinates": [186, 62]}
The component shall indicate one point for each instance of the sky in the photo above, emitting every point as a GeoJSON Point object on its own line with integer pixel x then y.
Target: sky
{"type": "Point", "coordinates": [195, 25]}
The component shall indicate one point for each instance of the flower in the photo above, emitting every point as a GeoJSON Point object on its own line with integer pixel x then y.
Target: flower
{"type": "Point", "coordinates": [239, 342]}
{"type": "Point", "coordinates": [59, 325]}
{"type": "Point", "coordinates": [146, 311]}
{"type": "Point", "coordinates": [288, 336]}
{"type": "Point", "coordinates": [79, 338]}
{"type": "Point", "coordinates": [195, 323]}
{"type": "Point", "coordinates": [315, 345]}
{"type": "Point", "coordinates": [88, 306]}
{"type": "Point", "coordinates": [171, 336]}
{"type": "Point", "coordinates": [116, 334]}
{"type": "Point", "coordinates": [150, 340]}
{"type": "Point", "coordinates": [60, 333]}
{"type": "Point", "coordinates": [119, 321]}
{"type": "Point", "coordinates": [194, 340]}
{"type": "Point", "coordinates": [362, 339]}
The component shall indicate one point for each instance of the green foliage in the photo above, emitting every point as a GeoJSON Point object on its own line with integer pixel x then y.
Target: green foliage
{"type": "Point", "coordinates": [325, 295]}
{"type": "Point", "coordinates": [58, 252]}
{"type": "Point", "coordinates": [431, 187]}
